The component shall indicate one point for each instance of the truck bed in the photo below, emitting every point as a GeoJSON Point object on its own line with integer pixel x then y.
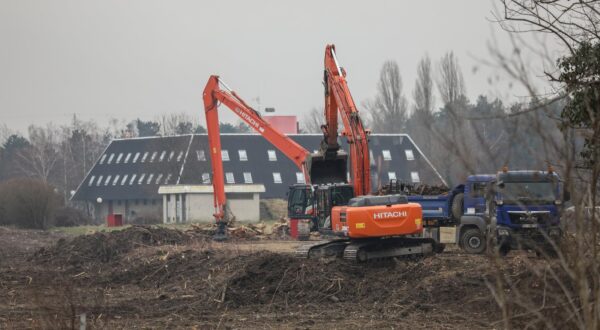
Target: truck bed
{"type": "Point", "coordinates": [435, 207]}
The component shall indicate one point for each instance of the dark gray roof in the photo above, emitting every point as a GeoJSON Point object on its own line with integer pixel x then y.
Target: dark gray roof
{"type": "Point", "coordinates": [137, 167]}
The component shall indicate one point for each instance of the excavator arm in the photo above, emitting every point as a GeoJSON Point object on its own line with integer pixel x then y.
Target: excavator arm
{"type": "Point", "coordinates": [213, 95]}
{"type": "Point", "coordinates": [339, 100]}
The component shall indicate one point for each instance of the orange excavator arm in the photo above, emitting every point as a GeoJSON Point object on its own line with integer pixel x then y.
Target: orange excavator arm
{"type": "Point", "coordinates": [339, 100]}
{"type": "Point", "coordinates": [213, 95]}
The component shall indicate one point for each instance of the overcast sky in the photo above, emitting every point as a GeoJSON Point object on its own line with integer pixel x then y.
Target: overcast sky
{"type": "Point", "coordinates": [129, 59]}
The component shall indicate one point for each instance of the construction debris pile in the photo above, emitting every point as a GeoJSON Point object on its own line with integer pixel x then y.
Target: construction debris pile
{"type": "Point", "coordinates": [248, 231]}
{"type": "Point", "coordinates": [163, 278]}
{"type": "Point", "coordinates": [105, 246]}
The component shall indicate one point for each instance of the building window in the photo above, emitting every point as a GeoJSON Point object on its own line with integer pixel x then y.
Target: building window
{"type": "Point", "coordinates": [414, 176]}
{"type": "Point", "coordinates": [243, 155]}
{"type": "Point", "coordinates": [225, 155]}
{"type": "Point", "coordinates": [135, 158]}
{"type": "Point", "coordinates": [141, 178]}
{"type": "Point", "coordinates": [145, 202]}
{"type": "Point", "coordinates": [153, 158]}
{"type": "Point", "coordinates": [154, 202]}
{"type": "Point", "coordinates": [145, 156]}
{"type": "Point", "coordinates": [110, 158]}
{"type": "Point", "coordinates": [180, 156]}
{"type": "Point", "coordinates": [386, 155]}
{"type": "Point", "coordinates": [171, 155]}
{"type": "Point", "coordinates": [205, 178]}
{"type": "Point", "coordinates": [277, 177]}
{"type": "Point", "coordinates": [124, 179]}
{"type": "Point", "coordinates": [158, 178]}
{"type": "Point", "coordinates": [409, 154]}
{"type": "Point", "coordinates": [116, 180]}
{"type": "Point", "coordinates": [300, 177]}
{"type": "Point", "coordinates": [132, 179]}
{"type": "Point", "coordinates": [272, 155]}
{"type": "Point", "coordinates": [119, 202]}
{"type": "Point", "coordinates": [168, 178]}
{"type": "Point", "coordinates": [162, 156]}
{"type": "Point", "coordinates": [102, 159]}
{"type": "Point", "coordinates": [229, 177]}
{"type": "Point", "coordinates": [247, 177]}
{"type": "Point", "coordinates": [91, 181]}
{"type": "Point", "coordinates": [119, 157]}
{"type": "Point", "coordinates": [99, 182]}
{"type": "Point", "coordinates": [127, 158]}
{"type": "Point", "coordinates": [200, 155]}
{"type": "Point", "coordinates": [150, 178]}
{"type": "Point", "coordinates": [392, 175]}
{"type": "Point", "coordinates": [107, 181]}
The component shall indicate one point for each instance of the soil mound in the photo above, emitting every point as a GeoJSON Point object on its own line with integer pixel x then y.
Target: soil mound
{"type": "Point", "coordinates": [106, 246]}
{"type": "Point", "coordinates": [280, 280]}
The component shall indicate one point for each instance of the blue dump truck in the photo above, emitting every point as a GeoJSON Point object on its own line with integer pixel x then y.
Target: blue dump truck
{"type": "Point", "coordinates": [509, 210]}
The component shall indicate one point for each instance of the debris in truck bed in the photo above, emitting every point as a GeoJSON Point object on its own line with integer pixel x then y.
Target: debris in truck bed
{"type": "Point", "coordinates": [397, 187]}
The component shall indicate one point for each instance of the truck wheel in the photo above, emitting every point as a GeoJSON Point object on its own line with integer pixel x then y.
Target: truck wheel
{"type": "Point", "coordinates": [457, 206]}
{"type": "Point", "coordinates": [473, 241]}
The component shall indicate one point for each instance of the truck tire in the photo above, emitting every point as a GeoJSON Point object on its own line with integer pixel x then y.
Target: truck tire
{"type": "Point", "coordinates": [473, 241]}
{"type": "Point", "coordinates": [457, 206]}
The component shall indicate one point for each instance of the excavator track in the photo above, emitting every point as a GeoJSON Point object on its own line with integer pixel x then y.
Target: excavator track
{"type": "Point", "coordinates": [365, 250]}
{"type": "Point", "coordinates": [320, 249]}
{"type": "Point", "coordinates": [377, 249]}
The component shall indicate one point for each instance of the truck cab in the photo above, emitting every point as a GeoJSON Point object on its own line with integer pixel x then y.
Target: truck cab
{"type": "Point", "coordinates": [512, 210]}
{"type": "Point", "coordinates": [525, 209]}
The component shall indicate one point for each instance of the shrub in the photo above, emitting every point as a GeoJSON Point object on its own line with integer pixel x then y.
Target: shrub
{"type": "Point", "coordinates": [28, 203]}
{"type": "Point", "coordinates": [70, 217]}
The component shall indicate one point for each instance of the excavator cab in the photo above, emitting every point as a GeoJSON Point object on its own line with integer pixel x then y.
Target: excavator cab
{"type": "Point", "coordinates": [300, 202]}
{"type": "Point", "coordinates": [326, 198]}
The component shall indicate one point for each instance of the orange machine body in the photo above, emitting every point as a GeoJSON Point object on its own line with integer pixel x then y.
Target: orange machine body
{"type": "Point", "coordinates": [377, 221]}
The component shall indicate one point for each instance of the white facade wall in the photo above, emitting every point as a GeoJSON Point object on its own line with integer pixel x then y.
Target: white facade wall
{"type": "Point", "coordinates": [198, 207]}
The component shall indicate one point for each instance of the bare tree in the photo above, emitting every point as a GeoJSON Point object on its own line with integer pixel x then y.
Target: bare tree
{"type": "Point", "coordinates": [423, 92]}
{"type": "Point", "coordinates": [5, 132]}
{"type": "Point", "coordinates": [175, 123]}
{"type": "Point", "coordinates": [39, 159]}
{"type": "Point", "coordinates": [389, 109]}
{"type": "Point", "coordinates": [450, 81]}
{"type": "Point", "coordinates": [312, 121]}
{"type": "Point", "coordinates": [567, 294]}
{"type": "Point", "coordinates": [422, 119]}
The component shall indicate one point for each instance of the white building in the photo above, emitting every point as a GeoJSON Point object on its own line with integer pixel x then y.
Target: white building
{"type": "Point", "coordinates": [189, 203]}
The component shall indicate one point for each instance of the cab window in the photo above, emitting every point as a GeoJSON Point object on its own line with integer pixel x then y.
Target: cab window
{"type": "Point", "coordinates": [477, 189]}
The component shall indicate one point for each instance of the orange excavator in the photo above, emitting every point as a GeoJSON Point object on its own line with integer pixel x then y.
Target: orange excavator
{"type": "Point", "coordinates": [316, 169]}
{"type": "Point", "coordinates": [371, 227]}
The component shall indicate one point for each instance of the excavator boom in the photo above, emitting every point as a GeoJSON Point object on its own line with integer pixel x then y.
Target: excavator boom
{"type": "Point", "coordinates": [314, 169]}
{"type": "Point", "coordinates": [339, 100]}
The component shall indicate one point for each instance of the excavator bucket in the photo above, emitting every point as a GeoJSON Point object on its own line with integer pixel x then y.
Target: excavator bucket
{"type": "Point", "coordinates": [325, 170]}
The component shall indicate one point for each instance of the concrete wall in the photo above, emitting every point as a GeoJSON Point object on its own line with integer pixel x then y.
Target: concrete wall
{"type": "Point", "coordinates": [196, 207]}
{"type": "Point", "coordinates": [130, 209]}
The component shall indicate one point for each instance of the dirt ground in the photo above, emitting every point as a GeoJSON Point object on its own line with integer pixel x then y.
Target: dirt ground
{"type": "Point", "coordinates": [152, 277]}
